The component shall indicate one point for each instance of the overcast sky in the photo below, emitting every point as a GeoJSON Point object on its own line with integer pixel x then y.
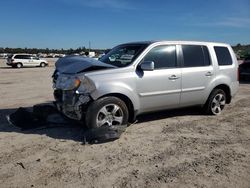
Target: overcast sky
{"type": "Point", "coordinates": [73, 23]}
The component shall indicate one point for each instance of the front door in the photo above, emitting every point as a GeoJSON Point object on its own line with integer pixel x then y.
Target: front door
{"type": "Point", "coordinates": [35, 61]}
{"type": "Point", "coordinates": [160, 89]}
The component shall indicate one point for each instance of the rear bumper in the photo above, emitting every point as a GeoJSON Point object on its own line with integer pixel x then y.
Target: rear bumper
{"type": "Point", "coordinates": [234, 88]}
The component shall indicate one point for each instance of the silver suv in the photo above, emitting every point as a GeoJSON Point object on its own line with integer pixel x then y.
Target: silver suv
{"type": "Point", "coordinates": [141, 77]}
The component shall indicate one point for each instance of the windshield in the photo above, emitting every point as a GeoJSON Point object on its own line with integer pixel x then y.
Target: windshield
{"type": "Point", "coordinates": [123, 55]}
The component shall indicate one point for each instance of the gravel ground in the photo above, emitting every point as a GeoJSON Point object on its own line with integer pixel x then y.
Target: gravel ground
{"type": "Point", "coordinates": [177, 148]}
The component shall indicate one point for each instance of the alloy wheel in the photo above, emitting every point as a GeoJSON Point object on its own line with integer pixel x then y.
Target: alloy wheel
{"type": "Point", "coordinates": [110, 115]}
{"type": "Point", "coordinates": [218, 103]}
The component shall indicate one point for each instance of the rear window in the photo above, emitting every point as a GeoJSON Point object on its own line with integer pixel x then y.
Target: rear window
{"type": "Point", "coordinates": [195, 56]}
{"type": "Point", "coordinates": [223, 56]}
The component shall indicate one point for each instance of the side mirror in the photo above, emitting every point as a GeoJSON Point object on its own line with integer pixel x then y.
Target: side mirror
{"type": "Point", "coordinates": [148, 65]}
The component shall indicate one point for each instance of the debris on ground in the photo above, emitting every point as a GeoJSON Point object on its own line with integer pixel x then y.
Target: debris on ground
{"type": "Point", "coordinates": [103, 134]}
{"type": "Point", "coordinates": [21, 164]}
{"type": "Point", "coordinates": [45, 115]}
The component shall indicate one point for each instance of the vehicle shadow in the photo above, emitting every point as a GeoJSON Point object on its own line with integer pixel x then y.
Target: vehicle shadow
{"type": "Point", "coordinates": [75, 131]}
{"type": "Point", "coordinates": [153, 116]}
{"type": "Point", "coordinates": [14, 68]}
{"type": "Point", "coordinates": [7, 68]}
{"type": "Point", "coordinates": [67, 130]}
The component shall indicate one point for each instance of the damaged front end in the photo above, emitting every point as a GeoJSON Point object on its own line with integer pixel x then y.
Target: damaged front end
{"type": "Point", "coordinates": [72, 95]}
{"type": "Point", "coordinates": [72, 88]}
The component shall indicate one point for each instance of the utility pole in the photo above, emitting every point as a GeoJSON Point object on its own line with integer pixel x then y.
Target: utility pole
{"type": "Point", "coordinates": [89, 46]}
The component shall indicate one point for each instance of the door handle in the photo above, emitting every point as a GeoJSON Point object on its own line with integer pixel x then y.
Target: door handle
{"type": "Point", "coordinates": [209, 73]}
{"type": "Point", "coordinates": [173, 77]}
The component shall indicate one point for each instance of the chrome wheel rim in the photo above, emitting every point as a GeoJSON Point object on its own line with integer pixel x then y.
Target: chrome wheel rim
{"type": "Point", "coordinates": [218, 103]}
{"type": "Point", "coordinates": [109, 115]}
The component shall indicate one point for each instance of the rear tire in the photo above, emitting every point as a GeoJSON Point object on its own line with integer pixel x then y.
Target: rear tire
{"type": "Point", "coordinates": [216, 102]}
{"type": "Point", "coordinates": [106, 111]}
{"type": "Point", "coordinates": [19, 65]}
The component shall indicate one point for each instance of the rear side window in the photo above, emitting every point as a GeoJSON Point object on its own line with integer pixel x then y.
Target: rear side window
{"type": "Point", "coordinates": [223, 56]}
{"type": "Point", "coordinates": [162, 56]}
{"type": "Point", "coordinates": [195, 56]}
{"type": "Point", "coordinates": [22, 57]}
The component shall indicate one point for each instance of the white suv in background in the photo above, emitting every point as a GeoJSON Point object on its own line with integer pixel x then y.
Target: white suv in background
{"type": "Point", "coordinates": [25, 60]}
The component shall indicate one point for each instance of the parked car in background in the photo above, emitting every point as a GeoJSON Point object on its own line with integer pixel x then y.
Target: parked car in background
{"type": "Point", "coordinates": [141, 77]}
{"type": "Point", "coordinates": [3, 56]}
{"type": "Point", "coordinates": [244, 69]}
{"type": "Point", "coordinates": [246, 60]}
{"type": "Point", "coordinates": [25, 60]}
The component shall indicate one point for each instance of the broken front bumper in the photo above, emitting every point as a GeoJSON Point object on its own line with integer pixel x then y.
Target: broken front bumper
{"type": "Point", "coordinates": [71, 103]}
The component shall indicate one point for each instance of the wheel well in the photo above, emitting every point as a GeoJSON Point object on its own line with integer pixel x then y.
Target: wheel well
{"type": "Point", "coordinates": [227, 91]}
{"type": "Point", "coordinates": [128, 103]}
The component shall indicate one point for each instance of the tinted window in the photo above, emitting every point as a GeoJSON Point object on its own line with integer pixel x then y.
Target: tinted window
{"type": "Point", "coordinates": [223, 56]}
{"type": "Point", "coordinates": [162, 56]}
{"type": "Point", "coordinates": [195, 56]}
{"type": "Point", "coordinates": [22, 57]}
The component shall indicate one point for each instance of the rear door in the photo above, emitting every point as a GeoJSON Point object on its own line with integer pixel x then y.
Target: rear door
{"type": "Point", "coordinates": [197, 74]}
{"type": "Point", "coordinates": [160, 88]}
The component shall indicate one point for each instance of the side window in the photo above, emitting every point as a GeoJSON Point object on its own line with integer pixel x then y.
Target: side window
{"type": "Point", "coordinates": [22, 57]}
{"type": "Point", "coordinates": [223, 55]}
{"type": "Point", "coordinates": [195, 56]}
{"type": "Point", "coordinates": [27, 57]}
{"type": "Point", "coordinates": [162, 56]}
{"type": "Point", "coordinates": [18, 57]}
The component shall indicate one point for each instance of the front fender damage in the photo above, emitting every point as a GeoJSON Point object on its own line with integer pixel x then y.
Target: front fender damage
{"type": "Point", "coordinates": [73, 105]}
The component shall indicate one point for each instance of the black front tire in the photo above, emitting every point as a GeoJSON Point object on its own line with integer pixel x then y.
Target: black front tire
{"type": "Point", "coordinates": [94, 109]}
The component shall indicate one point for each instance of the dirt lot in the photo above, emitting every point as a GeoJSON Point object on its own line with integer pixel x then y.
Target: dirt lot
{"type": "Point", "coordinates": [179, 148]}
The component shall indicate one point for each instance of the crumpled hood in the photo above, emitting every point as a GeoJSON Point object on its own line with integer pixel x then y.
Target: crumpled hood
{"type": "Point", "coordinates": [77, 64]}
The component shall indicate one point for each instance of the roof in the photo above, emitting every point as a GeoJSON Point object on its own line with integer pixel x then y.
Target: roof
{"type": "Point", "coordinates": [177, 42]}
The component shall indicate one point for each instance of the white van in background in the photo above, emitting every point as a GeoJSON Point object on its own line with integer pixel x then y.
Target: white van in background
{"type": "Point", "coordinates": [25, 60]}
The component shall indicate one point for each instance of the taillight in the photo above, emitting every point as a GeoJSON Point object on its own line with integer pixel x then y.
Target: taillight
{"type": "Point", "coordinates": [12, 60]}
